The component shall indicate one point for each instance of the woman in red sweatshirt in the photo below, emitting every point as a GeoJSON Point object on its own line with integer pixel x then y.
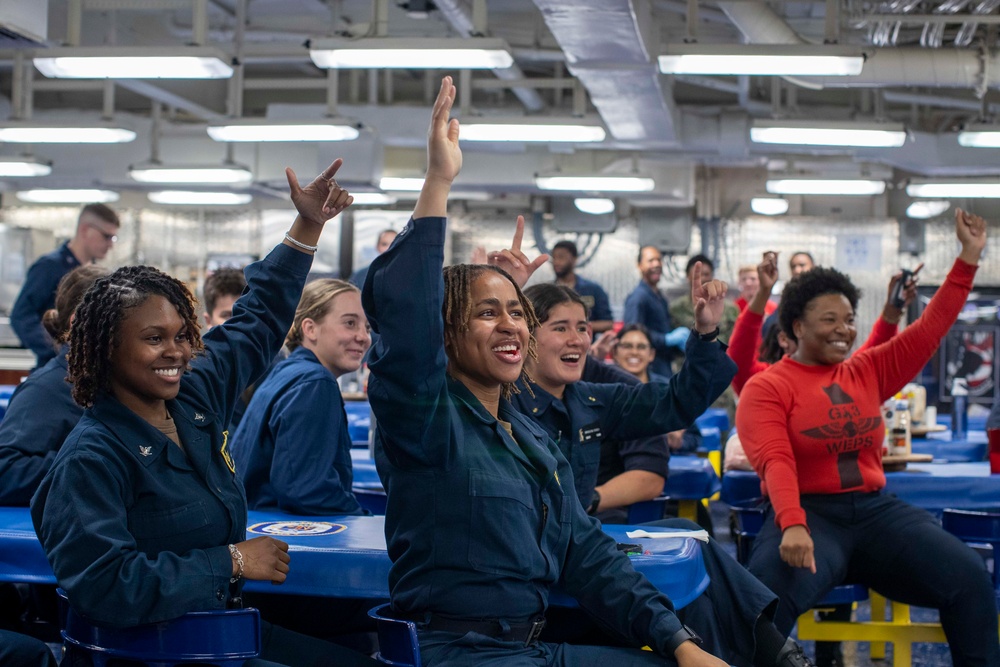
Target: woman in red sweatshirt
{"type": "Point", "coordinates": [812, 429]}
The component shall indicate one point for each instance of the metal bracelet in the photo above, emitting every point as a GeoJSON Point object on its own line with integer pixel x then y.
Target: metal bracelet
{"type": "Point", "coordinates": [300, 244]}
{"type": "Point", "coordinates": [238, 557]}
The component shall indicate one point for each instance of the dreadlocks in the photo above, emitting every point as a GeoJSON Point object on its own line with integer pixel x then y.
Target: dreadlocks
{"type": "Point", "coordinates": [96, 331]}
{"type": "Point", "coordinates": [457, 310]}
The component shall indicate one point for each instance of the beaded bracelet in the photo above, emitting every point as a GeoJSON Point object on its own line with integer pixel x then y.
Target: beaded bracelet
{"type": "Point", "coordinates": [238, 557]}
{"type": "Point", "coordinates": [300, 244]}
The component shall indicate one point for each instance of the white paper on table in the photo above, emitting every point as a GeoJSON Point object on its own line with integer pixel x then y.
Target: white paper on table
{"type": "Point", "coordinates": [693, 534]}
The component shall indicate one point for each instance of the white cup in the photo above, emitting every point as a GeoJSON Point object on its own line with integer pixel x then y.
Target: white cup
{"type": "Point", "coordinates": [930, 415]}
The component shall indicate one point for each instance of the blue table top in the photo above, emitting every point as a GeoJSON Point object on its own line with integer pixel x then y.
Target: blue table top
{"type": "Point", "coordinates": [359, 419]}
{"type": "Point", "coordinates": [976, 423]}
{"type": "Point", "coordinates": [690, 478]}
{"type": "Point", "coordinates": [943, 448]}
{"type": "Point", "coordinates": [714, 418]}
{"type": "Point", "coordinates": [933, 486]}
{"type": "Point", "coordinates": [345, 556]}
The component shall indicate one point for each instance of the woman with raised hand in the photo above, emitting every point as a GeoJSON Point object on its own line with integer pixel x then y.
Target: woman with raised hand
{"type": "Point", "coordinates": [812, 428]}
{"type": "Point", "coordinates": [142, 516]}
{"type": "Point", "coordinates": [482, 518]}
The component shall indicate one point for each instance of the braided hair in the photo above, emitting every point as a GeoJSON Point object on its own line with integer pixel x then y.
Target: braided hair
{"type": "Point", "coordinates": [457, 311]}
{"type": "Point", "coordinates": [96, 331]}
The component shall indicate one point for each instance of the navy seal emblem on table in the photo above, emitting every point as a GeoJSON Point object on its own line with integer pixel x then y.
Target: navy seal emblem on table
{"type": "Point", "coordinates": [296, 528]}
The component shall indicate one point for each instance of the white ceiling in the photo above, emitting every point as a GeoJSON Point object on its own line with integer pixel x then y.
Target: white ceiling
{"type": "Point", "coordinates": [572, 56]}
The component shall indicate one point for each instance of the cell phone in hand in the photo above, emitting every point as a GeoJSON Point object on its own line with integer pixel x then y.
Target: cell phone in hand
{"type": "Point", "coordinates": [897, 298]}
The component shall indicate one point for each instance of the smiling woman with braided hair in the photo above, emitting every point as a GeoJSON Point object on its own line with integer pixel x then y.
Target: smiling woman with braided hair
{"type": "Point", "coordinates": [142, 516]}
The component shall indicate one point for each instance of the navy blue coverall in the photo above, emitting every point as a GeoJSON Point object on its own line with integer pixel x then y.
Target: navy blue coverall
{"type": "Point", "coordinates": [293, 450]}
{"type": "Point", "coordinates": [481, 523]}
{"type": "Point", "coordinates": [648, 307]}
{"type": "Point", "coordinates": [38, 294]}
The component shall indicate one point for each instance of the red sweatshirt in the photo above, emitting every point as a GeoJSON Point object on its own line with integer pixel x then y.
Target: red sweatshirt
{"type": "Point", "coordinates": [818, 429]}
{"type": "Point", "coordinates": [769, 306]}
{"type": "Point", "coordinates": [744, 344]}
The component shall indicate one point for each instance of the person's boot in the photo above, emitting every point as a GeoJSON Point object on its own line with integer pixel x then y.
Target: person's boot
{"type": "Point", "coordinates": [791, 655]}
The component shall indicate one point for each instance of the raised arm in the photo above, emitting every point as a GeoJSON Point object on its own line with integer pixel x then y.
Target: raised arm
{"type": "Point", "coordinates": [240, 350]}
{"type": "Point", "coordinates": [887, 325]}
{"type": "Point", "coordinates": [745, 341]}
{"type": "Point", "coordinates": [402, 297]}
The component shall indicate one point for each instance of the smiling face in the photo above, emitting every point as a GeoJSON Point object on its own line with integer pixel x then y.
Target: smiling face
{"type": "Point", "coordinates": [151, 356]}
{"type": "Point", "coordinates": [634, 354]}
{"type": "Point", "coordinates": [826, 332]}
{"type": "Point", "coordinates": [340, 338]}
{"type": "Point", "coordinates": [800, 263]}
{"type": "Point", "coordinates": [749, 284]}
{"type": "Point", "coordinates": [563, 341]}
{"type": "Point", "coordinates": [491, 351]}
{"type": "Point", "coordinates": [651, 265]}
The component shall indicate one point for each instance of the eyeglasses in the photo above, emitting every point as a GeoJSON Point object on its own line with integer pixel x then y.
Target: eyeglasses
{"type": "Point", "coordinates": [628, 347]}
{"type": "Point", "coordinates": [111, 238]}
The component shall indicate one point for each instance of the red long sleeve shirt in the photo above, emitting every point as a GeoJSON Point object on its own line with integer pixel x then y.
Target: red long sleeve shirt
{"type": "Point", "coordinates": [818, 429]}
{"type": "Point", "coordinates": [745, 343]}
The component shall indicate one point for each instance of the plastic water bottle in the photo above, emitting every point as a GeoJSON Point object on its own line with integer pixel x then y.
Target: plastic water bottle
{"type": "Point", "coordinates": [959, 409]}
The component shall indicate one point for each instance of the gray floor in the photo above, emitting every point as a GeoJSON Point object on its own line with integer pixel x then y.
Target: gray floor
{"type": "Point", "coordinates": [855, 653]}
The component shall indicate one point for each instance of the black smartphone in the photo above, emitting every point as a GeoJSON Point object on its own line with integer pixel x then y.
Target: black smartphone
{"type": "Point", "coordinates": [897, 299]}
{"type": "Point", "coordinates": [630, 549]}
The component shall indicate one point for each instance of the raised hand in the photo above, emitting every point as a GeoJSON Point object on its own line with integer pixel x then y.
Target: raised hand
{"type": "Point", "coordinates": [265, 559]}
{"type": "Point", "coordinates": [709, 300]}
{"type": "Point", "coordinates": [767, 272]}
{"type": "Point", "coordinates": [971, 232]}
{"type": "Point", "coordinates": [892, 314]}
{"type": "Point", "coordinates": [444, 157]}
{"type": "Point", "coordinates": [603, 346]}
{"type": "Point", "coordinates": [515, 262]}
{"type": "Point", "coordinates": [322, 199]}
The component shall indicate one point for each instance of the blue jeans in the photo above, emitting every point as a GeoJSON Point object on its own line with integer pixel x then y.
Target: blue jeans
{"type": "Point", "coordinates": [896, 549]}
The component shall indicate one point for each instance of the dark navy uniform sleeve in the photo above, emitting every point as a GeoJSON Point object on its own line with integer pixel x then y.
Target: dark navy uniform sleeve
{"type": "Point", "coordinates": [602, 305]}
{"type": "Point", "coordinates": [409, 367]}
{"type": "Point", "coordinates": [638, 310]}
{"type": "Point", "coordinates": [605, 583]}
{"type": "Point", "coordinates": [661, 407]}
{"type": "Point", "coordinates": [310, 472]}
{"type": "Point", "coordinates": [40, 416]}
{"type": "Point", "coordinates": [240, 350]}
{"type": "Point", "coordinates": [37, 295]}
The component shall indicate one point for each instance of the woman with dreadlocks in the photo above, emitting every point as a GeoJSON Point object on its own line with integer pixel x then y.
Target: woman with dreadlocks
{"type": "Point", "coordinates": [482, 518]}
{"type": "Point", "coordinates": [142, 516]}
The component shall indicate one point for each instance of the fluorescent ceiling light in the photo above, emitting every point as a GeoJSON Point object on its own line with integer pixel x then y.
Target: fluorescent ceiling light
{"type": "Point", "coordinates": [955, 189]}
{"type": "Point", "coordinates": [596, 183]}
{"type": "Point", "coordinates": [184, 197]}
{"type": "Point", "coordinates": [80, 196]}
{"type": "Point", "coordinates": [822, 133]}
{"type": "Point", "coordinates": [769, 205]}
{"type": "Point", "coordinates": [825, 186]}
{"type": "Point", "coordinates": [761, 60]}
{"type": "Point", "coordinates": [927, 209]}
{"type": "Point", "coordinates": [183, 62]}
{"type": "Point", "coordinates": [253, 129]}
{"type": "Point", "coordinates": [532, 129]}
{"type": "Point", "coordinates": [24, 166]}
{"type": "Point", "coordinates": [594, 205]}
{"type": "Point", "coordinates": [980, 136]}
{"type": "Point", "coordinates": [157, 173]}
{"type": "Point", "coordinates": [401, 184]}
{"type": "Point", "coordinates": [372, 199]}
{"type": "Point", "coordinates": [17, 132]}
{"type": "Point", "coordinates": [412, 53]}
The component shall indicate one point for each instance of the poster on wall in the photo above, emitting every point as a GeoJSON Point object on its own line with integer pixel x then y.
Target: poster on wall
{"type": "Point", "coordinates": [970, 351]}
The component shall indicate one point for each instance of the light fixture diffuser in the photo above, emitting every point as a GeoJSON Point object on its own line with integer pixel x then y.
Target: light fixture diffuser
{"type": "Point", "coordinates": [544, 130]}
{"type": "Point", "coordinates": [401, 184]}
{"type": "Point", "coordinates": [594, 205]}
{"type": "Point", "coordinates": [76, 196]}
{"type": "Point", "coordinates": [182, 62]}
{"type": "Point", "coordinates": [769, 205]}
{"type": "Point", "coordinates": [24, 166]}
{"type": "Point", "coordinates": [959, 188]}
{"type": "Point", "coordinates": [189, 198]}
{"type": "Point", "coordinates": [927, 209]}
{"type": "Point", "coordinates": [202, 174]}
{"type": "Point", "coordinates": [21, 132]}
{"type": "Point", "coordinates": [761, 60]}
{"type": "Point", "coordinates": [255, 129]}
{"type": "Point", "coordinates": [372, 199]}
{"type": "Point", "coordinates": [828, 133]}
{"type": "Point", "coordinates": [411, 53]}
{"type": "Point", "coordinates": [980, 136]}
{"type": "Point", "coordinates": [600, 183]}
{"type": "Point", "coordinates": [825, 186]}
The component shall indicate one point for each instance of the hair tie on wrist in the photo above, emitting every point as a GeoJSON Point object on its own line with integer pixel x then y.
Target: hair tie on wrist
{"type": "Point", "coordinates": [300, 244]}
{"type": "Point", "coordinates": [238, 557]}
